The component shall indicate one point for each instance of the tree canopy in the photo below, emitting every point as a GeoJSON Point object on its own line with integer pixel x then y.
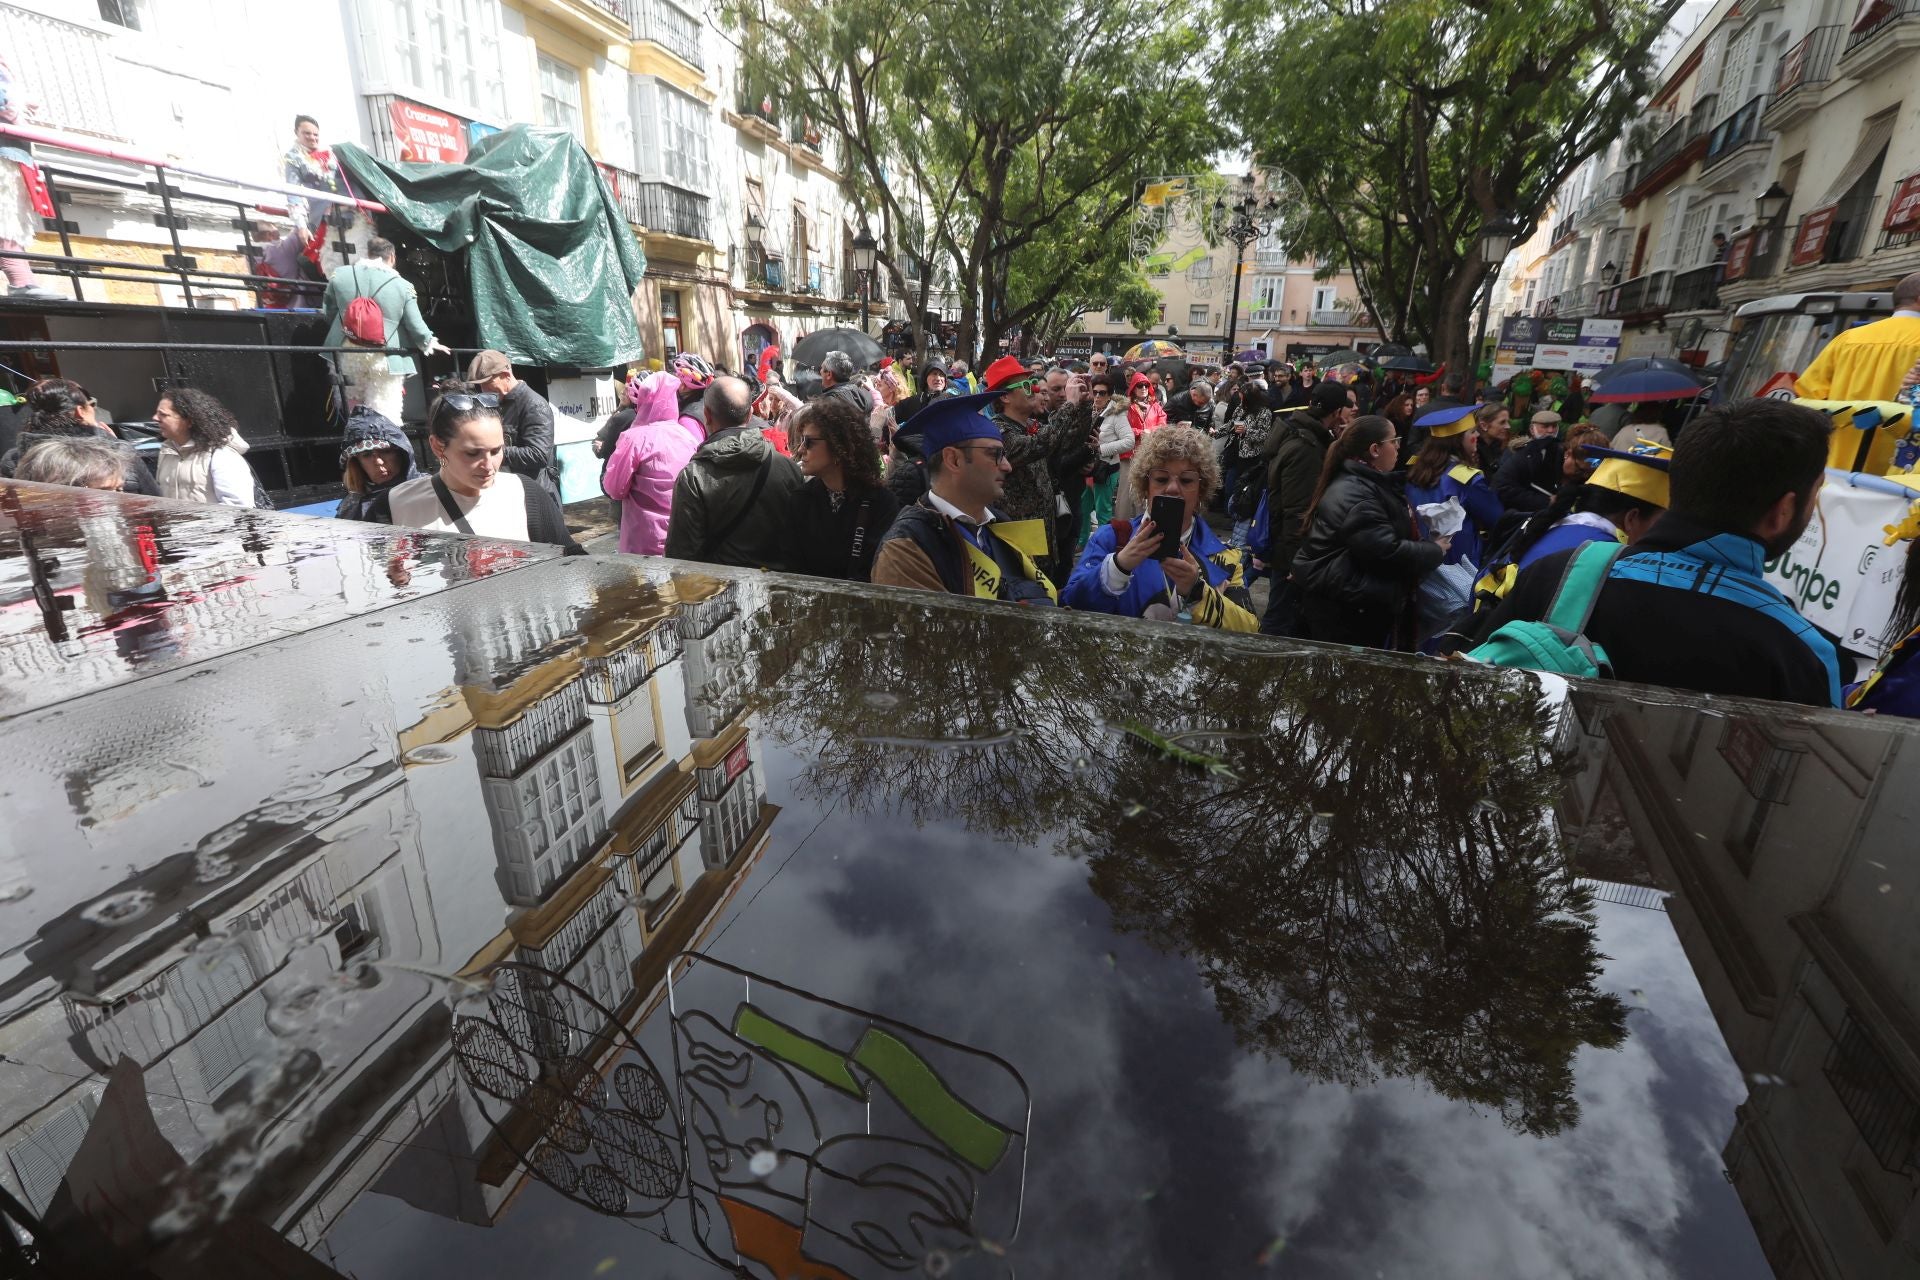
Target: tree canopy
{"type": "Point", "coordinates": [1023, 130]}
{"type": "Point", "coordinates": [1402, 126]}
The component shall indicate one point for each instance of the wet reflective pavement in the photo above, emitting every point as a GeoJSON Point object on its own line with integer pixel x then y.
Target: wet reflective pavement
{"type": "Point", "coordinates": [605, 917]}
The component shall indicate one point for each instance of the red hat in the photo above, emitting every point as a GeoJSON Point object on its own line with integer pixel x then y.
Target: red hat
{"type": "Point", "coordinates": [1006, 369]}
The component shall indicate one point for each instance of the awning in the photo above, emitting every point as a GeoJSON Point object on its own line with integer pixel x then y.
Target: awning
{"type": "Point", "coordinates": [1874, 137]}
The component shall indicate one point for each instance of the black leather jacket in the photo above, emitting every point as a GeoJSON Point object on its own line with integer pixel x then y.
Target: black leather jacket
{"type": "Point", "coordinates": [1362, 550]}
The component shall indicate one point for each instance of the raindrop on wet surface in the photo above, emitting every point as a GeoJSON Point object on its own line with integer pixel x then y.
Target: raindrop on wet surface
{"type": "Point", "coordinates": [119, 908]}
{"type": "Point", "coordinates": [14, 890]}
{"type": "Point", "coordinates": [937, 1263]}
{"type": "Point", "coordinates": [763, 1163]}
{"type": "Point", "coordinates": [880, 700]}
{"type": "Point", "coordinates": [427, 755]}
{"type": "Point", "coordinates": [208, 867]}
{"type": "Point", "coordinates": [292, 1012]}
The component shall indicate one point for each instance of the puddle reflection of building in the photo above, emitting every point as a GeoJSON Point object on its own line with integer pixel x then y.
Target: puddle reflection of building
{"type": "Point", "coordinates": [1790, 845]}
{"type": "Point", "coordinates": [662, 697]}
{"type": "Point", "coordinates": [565, 748]}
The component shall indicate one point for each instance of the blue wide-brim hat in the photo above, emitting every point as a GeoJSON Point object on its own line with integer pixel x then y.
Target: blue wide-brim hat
{"type": "Point", "coordinates": [953, 420]}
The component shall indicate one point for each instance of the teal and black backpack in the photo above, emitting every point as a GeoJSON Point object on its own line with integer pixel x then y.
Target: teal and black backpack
{"type": "Point", "coordinates": [1558, 642]}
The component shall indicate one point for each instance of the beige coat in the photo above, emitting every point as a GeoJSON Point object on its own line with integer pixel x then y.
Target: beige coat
{"type": "Point", "coordinates": [187, 472]}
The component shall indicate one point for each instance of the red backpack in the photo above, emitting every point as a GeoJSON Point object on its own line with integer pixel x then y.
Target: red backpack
{"type": "Point", "coordinates": [364, 324]}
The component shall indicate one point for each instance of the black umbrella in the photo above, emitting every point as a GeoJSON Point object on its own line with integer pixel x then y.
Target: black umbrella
{"type": "Point", "coordinates": [1388, 350]}
{"type": "Point", "coordinates": [1407, 364]}
{"type": "Point", "coordinates": [1346, 355]}
{"type": "Point", "coordinates": [861, 349]}
{"type": "Point", "coordinates": [1170, 364]}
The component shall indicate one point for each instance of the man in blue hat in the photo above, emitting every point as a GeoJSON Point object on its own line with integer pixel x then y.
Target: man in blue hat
{"type": "Point", "coordinates": [952, 539]}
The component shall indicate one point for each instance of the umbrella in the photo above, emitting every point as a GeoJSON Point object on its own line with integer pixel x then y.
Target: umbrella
{"type": "Point", "coordinates": [1346, 355]}
{"type": "Point", "coordinates": [1170, 364]}
{"type": "Point", "coordinates": [1651, 378]}
{"type": "Point", "coordinates": [1408, 364]}
{"type": "Point", "coordinates": [861, 349]}
{"type": "Point", "coordinates": [1346, 372]}
{"type": "Point", "coordinates": [1151, 348]}
{"type": "Point", "coordinates": [1387, 350]}
{"type": "Point", "coordinates": [1252, 355]}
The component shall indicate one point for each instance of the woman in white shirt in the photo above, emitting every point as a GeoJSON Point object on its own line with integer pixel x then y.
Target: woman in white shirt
{"type": "Point", "coordinates": [201, 451]}
{"type": "Point", "coordinates": [471, 493]}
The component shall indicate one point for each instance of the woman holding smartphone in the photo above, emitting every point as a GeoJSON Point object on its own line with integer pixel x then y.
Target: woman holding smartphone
{"type": "Point", "coordinates": [1168, 564]}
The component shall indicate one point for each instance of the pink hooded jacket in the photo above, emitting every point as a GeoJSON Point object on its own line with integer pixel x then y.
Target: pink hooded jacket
{"type": "Point", "coordinates": [645, 463]}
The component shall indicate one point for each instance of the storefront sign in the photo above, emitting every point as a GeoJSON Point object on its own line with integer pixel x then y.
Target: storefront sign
{"type": "Point", "coordinates": [1903, 213]}
{"type": "Point", "coordinates": [1810, 241]}
{"type": "Point", "coordinates": [1739, 256]}
{"type": "Point", "coordinates": [426, 136]}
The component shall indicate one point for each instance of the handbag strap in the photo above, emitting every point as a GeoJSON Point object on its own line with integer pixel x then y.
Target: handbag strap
{"type": "Point", "coordinates": [861, 519]}
{"type": "Point", "coordinates": [451, 507]}
{"type": "Point", "coordinates": [719, 539]}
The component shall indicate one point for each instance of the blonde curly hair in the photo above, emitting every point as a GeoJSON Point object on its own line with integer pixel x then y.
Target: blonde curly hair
{"type": "Point", "coordinates": [1164, 446]}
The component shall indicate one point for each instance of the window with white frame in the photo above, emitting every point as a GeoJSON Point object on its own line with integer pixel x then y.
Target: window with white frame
{"type": "Point", "coordinates": [1326, 297]}
{"type": "Point", "coordinates": [560, 96]}
{"type": "Point", "coordinates": [1197, 316]}
{"type": "Point", "coordinates": [444, 51]}
{"type": "Point", "coordinates": [1692, 249]}
{"type": "Point", "coordinates": [674, 135]}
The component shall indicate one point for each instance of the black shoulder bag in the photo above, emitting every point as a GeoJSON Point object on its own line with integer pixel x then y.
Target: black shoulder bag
{"type": "Point", "coordinates": [452, 508]}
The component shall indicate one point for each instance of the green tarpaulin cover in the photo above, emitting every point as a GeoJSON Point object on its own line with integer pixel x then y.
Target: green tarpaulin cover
{"type": "Point", "coordinates": [552, 262]}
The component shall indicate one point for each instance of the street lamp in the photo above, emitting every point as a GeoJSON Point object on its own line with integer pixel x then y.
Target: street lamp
{"type": "Point", "coordinates": [1496, 238]}
{"type": "Point", "coordinates": [1252, 218]}
{"type": "Point", "coordinates": [863, 249]}
{"type": "Point", "coordinates": [756, 236]}
{"type": "Point", "coordinates": [1772, 202]}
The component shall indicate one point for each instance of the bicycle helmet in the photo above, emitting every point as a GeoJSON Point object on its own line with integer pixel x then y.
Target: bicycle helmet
{"type": "Point", "coordinates": [693, 371]}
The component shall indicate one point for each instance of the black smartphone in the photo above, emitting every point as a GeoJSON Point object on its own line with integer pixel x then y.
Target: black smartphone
{"type": "Point", "coordinates": [1168, 513]}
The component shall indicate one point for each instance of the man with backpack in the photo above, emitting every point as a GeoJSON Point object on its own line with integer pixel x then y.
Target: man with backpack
{"type": "Point", "coordinates": [369, 305]}
{"type": "Point", "coordinates": [1687, 606]}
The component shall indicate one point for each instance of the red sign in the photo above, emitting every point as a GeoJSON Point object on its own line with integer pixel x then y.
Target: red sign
{"type": "Point", "coordinates": [1903, 212]}
{"type": "Point", "coordinates": [426, 136]}
{"type": "Point", "coordinates": [1778, 387]}
{"type": "Point", "coordinates": [1810, 241]}
{"type": "Point", "coordinates": [737, 760]}
{"type": "Point", "coordinates": [1739, 256]}
{"type": "Point", "coordinates": [1792, 67]}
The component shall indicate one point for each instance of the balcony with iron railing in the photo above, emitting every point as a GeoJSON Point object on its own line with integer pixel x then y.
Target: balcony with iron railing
{"type": "Point", "coordinates": [1743, 128]}
{"type": "Point", "coordinates": [1879, 25]}
{"type": "Point", "coordinates": [1801, 70]}
{"type": "Point", "coordinates": [758, 115]}
{"type": "Point", "coordinates": [1580, 300]}
{"type": "Point", "coordinates": [1668, 156]}
{"type": "Point", "coordinates": [670, 27]}
{"type": "Point", "coordinates": [604, 20]}
{"type": "Point", "coordinates": [1849, 233]}
{"type": "Point", "coordinates": [672, 211]}
{"type": "Point", "coordinates": [625, 185]}
{"type": "Point", "coordinates": [1644, 295]}
{"type": "Point", "coordinates": [1696, 289]}
{"type": "Point", "coordinates": [73, 68]}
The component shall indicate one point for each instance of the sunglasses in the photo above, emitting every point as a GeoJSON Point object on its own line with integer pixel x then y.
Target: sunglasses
{"type": "Point", "coordinates": [1103, 391]}
{"type": "Point", "coordinates": [1021, 384]}
{"type": "Point", "coordinates": [466, 402]}
{"type": "Point", "coordinates": [805, 443]}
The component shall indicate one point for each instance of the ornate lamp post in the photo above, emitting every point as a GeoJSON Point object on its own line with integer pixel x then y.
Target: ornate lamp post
{"type": "Point", "coordinates": [1496, 238]}
{"type": "Point", "coordinates": [863, 251]}
{"type": "Point", "coordinates": [1250, 217]}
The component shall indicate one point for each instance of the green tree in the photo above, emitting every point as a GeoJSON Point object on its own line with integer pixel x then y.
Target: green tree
{"type": "Point", "coordinates": [1003, 139]}
{"type": "Point", "coordinates": [1410, 123]}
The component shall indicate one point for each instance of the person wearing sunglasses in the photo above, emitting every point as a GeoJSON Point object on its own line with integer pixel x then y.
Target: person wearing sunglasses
{"type": "Point", "coordinates": [954, 539]}
{"type": "Point", "coordinates": [472, 493]}
{"type": "Point", "coordinates": [843, 510]}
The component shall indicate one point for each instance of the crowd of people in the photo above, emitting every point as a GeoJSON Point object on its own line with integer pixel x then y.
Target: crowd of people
{"type": "Point", "coordinates": [1392, 509]}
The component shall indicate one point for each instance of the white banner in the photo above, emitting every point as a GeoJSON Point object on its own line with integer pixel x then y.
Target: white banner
{"type": "Point", "coordinates": [1841, 575]}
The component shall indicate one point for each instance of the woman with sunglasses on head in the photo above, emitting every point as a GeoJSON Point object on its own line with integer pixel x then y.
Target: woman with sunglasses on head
{"type": "Point", "coordinates": [472, 493]}
{"type": "Point", "coordinates": [843, 509]}
{"type": "Point", "coordinates": [1115, 440]}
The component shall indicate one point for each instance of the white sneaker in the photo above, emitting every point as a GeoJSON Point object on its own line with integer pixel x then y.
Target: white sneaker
{"type": "Point", "coordinates": [33, 291]}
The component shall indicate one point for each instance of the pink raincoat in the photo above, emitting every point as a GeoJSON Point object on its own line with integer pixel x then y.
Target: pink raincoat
{"type": "Point", "coordinates": [646, 461]}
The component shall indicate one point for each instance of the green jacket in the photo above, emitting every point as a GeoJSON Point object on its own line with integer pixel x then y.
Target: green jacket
{"type": "Point", "coordinates": [398, 303]}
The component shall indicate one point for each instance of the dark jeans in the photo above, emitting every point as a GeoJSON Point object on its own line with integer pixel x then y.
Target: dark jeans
{"type": "Point", "coordinates": [1282, 617]}
{"type": "Point", "coordinates": [1335, 623]}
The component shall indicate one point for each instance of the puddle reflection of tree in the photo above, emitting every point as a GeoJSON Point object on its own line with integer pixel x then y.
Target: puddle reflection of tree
{"type": "Point", "coordinates": [1378, 891]}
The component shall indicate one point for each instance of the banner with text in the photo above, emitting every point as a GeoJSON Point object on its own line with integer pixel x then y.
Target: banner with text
{"type": "Point", "coordinates": [1530, 342]}
{"type": "Point", "coordinates": [1840, 574]}
{"type": "Point", "coordinates": [425, 136]}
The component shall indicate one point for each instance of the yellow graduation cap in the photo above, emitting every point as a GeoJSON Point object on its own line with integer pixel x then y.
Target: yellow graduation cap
{"type": "Point", "coordinates": [1640, 474]}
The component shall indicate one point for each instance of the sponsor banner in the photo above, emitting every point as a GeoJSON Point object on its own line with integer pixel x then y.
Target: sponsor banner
{"type": "Point", "coordinates": [1810, 241]}
{"type": "Point", "coordinates": [1903, 211]}
{"type": "Point", "coordinates": [425, 136]}
{"type": "Point", "coordinates": [1840, 574]}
